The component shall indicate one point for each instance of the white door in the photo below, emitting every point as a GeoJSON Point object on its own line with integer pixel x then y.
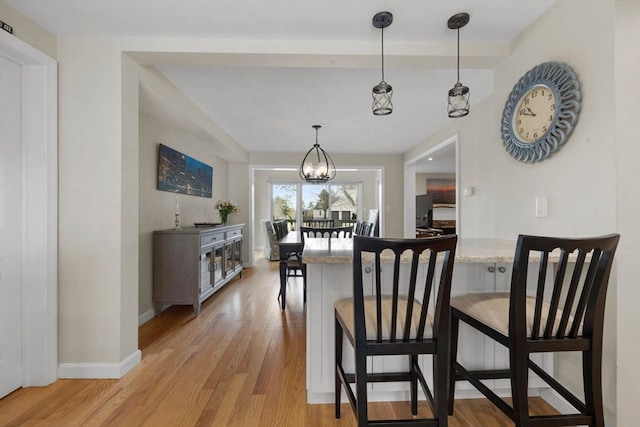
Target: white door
{"type": "Point", "coordinates": [10, 228]}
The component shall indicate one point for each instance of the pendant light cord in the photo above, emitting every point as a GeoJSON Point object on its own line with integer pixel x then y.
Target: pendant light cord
{"type": "Point", "coordinates": [382, 53]}
{"type": "Point", "coordinates": [458, 53]}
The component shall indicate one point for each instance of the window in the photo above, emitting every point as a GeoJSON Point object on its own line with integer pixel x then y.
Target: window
{"type": "Point", "coordinates": [284, 200]}
{"type": "Point", "coordinates": [340, 202]}
{"type": "Point", "coordinates": [344, 203]}
{"type": "Point", "coordinates": [315, 202]}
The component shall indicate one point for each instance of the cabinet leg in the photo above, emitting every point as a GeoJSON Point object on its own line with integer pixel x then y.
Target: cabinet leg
{"type": "Point", "coordinates": [283, 284]}
{"type": "Point", "coordinates": [196, 309]}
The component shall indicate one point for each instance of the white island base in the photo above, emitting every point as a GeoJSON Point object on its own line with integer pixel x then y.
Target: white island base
{"type": "Point", "coordinates": [481, 266]}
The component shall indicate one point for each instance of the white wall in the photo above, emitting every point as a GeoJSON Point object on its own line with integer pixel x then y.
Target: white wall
{"type": "Point", "coordinates": [28, 31]}
{"type": "Point", "coordinates": [239, 191]}
{"type": "Point", "coordinates": [421, 183]}
{"type": "Point", "coordinates": [157, 208]}
{"type": "Point", "coordinates": [627, 75]}
{"type": "Point", "coordinates": [580, 180]}
{"type": "Point", "coordinates": [91, 206]}
{"type": "Point", "coordinates": [98, 276]}
{"type": "Point", "coordinates": [129, 210]}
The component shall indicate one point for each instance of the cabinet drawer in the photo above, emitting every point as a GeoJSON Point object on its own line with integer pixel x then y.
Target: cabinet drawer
{"type": "Point", "coordinates": [233, 233]}
{"type": "Point", "coordinates": [209, 239]}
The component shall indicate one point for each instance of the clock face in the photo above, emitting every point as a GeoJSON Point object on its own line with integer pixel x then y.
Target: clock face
{"type": "Point", "coordinates": [541, 112]}
{"type": "Point", "coordinates": [534, 114]}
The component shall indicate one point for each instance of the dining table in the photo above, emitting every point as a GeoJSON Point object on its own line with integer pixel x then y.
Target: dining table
{"type": "Point", "coordinates": [289, 245]}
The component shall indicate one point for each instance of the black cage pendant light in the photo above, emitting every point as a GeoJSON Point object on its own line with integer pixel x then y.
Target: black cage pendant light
{"type": "Point", "coordinates": [382, 92]}
{"type": "Point", "coordinates": [317, 166]}
{"type": "Point", "coordinates": [459, 94]}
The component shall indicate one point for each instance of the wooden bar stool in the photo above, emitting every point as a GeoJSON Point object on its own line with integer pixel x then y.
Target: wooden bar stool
{"type": "Point", "coordinates": [561, 312]}
{"type": "Point", "coordinates": [397, 320]}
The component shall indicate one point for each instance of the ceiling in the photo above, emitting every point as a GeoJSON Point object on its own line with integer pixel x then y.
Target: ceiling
{"type": "Point", "coordinates": [442, 160]}
{"type": "Point", "coordinates": [321, 59]}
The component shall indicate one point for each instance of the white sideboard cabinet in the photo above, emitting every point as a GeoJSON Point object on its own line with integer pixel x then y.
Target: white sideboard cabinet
{"type": "Point", "coordinates": [191, 264]}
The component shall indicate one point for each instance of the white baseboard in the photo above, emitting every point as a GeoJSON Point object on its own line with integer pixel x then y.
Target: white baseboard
{"type": "Point", "coordinates": [146, 316]}
{"type": "Point", "coordinates": [99, 370]}
{"type": "Point", "coordinates": [463, 391]}
{"type": "Point", "coordinates": [564, 407]}
{"type": "Point", "coordinates": [557, 401]}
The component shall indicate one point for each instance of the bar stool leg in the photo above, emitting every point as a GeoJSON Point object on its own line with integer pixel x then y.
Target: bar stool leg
{"type": "Point", "coordinates": [455, 325]}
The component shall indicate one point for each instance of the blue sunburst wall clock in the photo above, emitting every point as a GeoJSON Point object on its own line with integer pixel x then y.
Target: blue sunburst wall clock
{"type": "Point", "coordinates": [541, 112]}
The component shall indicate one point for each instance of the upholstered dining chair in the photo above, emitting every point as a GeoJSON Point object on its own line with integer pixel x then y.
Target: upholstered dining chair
{"type": "Point", "coordinates": [403, 316]}
{"type": "Point", "coordinates": [271, 250]}
{"type": "Point", "coordinates": [561, 310]}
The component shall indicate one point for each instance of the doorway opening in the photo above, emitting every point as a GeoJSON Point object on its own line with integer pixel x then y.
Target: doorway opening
{"type": "Point", "coordinates": [432, 190]}
{"type": "Point", "coordinates": [366, 179]}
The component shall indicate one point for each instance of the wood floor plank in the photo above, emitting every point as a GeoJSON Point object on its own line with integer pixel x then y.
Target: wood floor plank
{"type": "Point", "coordinates": [240, 363]}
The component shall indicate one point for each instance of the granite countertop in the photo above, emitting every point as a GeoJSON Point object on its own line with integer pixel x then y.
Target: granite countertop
{"type": "Point", "coordinates": [327, 251]}
{"type": "Point", "coordinates": [340, 251]}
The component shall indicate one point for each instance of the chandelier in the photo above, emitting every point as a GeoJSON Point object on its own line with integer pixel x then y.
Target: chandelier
{"type": "Point", "coordinates": [317, 166]}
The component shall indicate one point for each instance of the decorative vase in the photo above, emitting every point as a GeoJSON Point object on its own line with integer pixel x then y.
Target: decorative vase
{"type": "Point", "coordinates": [223, 217]}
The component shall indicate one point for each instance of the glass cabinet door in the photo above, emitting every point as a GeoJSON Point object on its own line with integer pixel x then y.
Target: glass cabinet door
{"type": "Point", "coordinates": [216, 267]}
{"type": "Point", "coordinates": [229, 259]}
{"type": "Point", "coordinates": [206, 281]}
{"type": "Point", "coordinates": [233, 256]}
{"type": "Point", "coordinates": [237, 251]}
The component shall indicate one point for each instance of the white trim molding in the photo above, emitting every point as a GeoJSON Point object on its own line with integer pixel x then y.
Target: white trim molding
{"type": "Point", "coordinates": [39, 142]}
{"type": "Point", "coordinates": [100, 370]}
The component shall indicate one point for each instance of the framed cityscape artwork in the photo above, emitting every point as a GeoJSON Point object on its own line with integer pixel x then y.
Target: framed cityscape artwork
{"type": "Point", "coordinates": [179, 173]}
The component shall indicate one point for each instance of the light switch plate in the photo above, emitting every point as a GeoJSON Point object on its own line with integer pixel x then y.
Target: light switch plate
{"type": "Point", "coordinates": [542, 207]}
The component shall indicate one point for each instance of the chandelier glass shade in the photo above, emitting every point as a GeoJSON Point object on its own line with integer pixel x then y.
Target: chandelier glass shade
{"type": "Point", "coordinates": [458, 100]}
{"type": "Point", "coordinates": [317, 166]}
{"type": "Point", "coordinates": [382, 92]}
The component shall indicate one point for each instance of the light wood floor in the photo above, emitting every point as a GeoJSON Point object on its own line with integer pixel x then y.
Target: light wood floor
{"type": "Point", "coordinates": [240, 363]}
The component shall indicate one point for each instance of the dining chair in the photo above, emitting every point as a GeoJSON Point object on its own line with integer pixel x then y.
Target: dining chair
{"type": "Point", "coordinates": [270, 238]}
{"type": "Point", "coordinates": [346, 231]}
{"type": "Point", "coordinates": [319, 223]}
{"type": "Point", "coordinates": [551, 308]}
{"type": "Point", "coordinates": [295, 267]}
{"type": "Point", "coordinates": [397, 315]}
{"type": "Point", "coordinates": [281, 228]}
{"type": "Point", "coordinates": [363, 228]}
{"type": "Point", "coordinates": [357, 227]}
